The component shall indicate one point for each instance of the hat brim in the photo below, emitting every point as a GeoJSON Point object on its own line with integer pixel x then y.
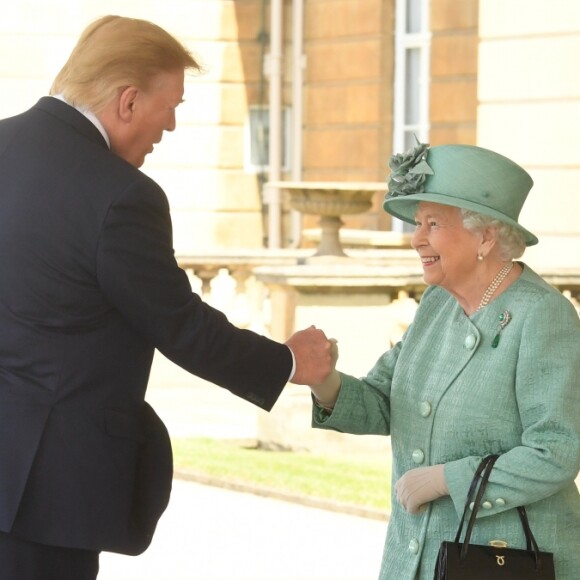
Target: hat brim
{"type": "Point", "coordinates": [405, 207]}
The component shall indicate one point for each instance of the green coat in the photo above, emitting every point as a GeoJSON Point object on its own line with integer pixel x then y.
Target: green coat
{"type": "Point", "coordinates": [444, 395]}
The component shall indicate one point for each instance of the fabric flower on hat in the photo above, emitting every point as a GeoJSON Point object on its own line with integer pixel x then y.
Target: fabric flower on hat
{"type": "Point", "coordinates": [409, 171]}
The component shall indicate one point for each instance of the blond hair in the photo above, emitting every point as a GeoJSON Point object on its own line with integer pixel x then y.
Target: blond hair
{"type": "Point", "coordinates": [115, 52]}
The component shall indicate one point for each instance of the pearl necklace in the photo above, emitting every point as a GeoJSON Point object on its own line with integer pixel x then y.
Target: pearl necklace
{"type": "Point", "coordinates": [501, 276]}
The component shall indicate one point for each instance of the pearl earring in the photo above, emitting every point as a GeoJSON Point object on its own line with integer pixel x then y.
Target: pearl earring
{"type": "Point", "coordinates": [479, 258]}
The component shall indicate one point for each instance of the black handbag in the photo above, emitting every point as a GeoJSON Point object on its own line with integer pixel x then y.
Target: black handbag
{"type": "Point", "coordinates": [464, 561]}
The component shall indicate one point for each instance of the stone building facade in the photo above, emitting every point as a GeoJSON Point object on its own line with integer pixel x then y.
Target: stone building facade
{"type": "Point", "coordinates": [500, 73]}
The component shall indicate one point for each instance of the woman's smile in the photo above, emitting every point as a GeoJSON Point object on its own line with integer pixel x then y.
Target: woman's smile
{"type": "Point", "coordinates": [429, 260]}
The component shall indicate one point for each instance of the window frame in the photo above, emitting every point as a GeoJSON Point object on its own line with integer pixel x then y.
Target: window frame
{"type": "Point", "coordinates": [251, 126]}
{"type": "Point", "coordinates": [405, 42]}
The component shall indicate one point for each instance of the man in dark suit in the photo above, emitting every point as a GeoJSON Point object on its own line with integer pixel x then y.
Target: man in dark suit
{"type": "Point", "coordinates": [89, 287]}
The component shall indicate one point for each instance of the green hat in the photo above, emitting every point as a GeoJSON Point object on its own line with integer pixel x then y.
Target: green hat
{"type": "Point", "coordinates": [462, 176]}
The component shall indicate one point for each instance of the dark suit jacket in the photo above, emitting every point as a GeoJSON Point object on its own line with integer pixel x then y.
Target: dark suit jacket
{"type": "Point", "coordinates": [89, 287]}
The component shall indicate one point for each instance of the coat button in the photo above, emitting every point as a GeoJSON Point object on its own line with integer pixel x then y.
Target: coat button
{"type": "Point", "coordinates": [425, 408]}
{"type": "Point", "coordinates": [418, 456]}
{"type": "Point", "coordinates": [414, 546]}
{"type": "Point", "coordinates": [486, 505]}
{"type": "Point", "coordinates": [469, 341]}
{"type": "Point", "coordinates": [500, 502]}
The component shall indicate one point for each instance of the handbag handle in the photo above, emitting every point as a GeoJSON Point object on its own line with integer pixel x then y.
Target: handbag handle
{"type": "Point", "coordinates": [470, 494]}
{"type": "Point", "coordinates": [484, 470]}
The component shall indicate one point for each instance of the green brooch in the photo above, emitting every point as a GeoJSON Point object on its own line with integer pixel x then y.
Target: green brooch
{"type": "Point", "coordinates": [504, 320]}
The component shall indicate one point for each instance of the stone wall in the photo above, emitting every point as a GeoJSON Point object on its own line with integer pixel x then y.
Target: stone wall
{"type": "Point", "coordinates": [348, 96]}
{"type": "Point", "coordinates": [453, 90]}
{"type": "Point", "coordinates": [529, 106]}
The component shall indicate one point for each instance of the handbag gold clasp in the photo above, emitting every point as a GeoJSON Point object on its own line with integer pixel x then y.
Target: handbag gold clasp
{"type": "Point", "coordinates": [500, 559]}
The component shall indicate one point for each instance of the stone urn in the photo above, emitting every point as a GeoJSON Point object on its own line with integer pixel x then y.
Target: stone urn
{"type": "Point", "coordinates": [330, 200]}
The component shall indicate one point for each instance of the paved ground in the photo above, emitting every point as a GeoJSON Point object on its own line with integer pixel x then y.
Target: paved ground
{"type": "Point", "coordinates": [209, 533]}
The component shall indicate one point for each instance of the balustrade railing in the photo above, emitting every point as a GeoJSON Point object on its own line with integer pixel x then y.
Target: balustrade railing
{"type": "Point", "coordinates": [228, 280]}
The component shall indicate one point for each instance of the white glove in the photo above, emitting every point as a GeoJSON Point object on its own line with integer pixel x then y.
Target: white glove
{"type": "Point", "coordinates": [420, 486]}
{"type": "Point", "coordinates": [326, 392]}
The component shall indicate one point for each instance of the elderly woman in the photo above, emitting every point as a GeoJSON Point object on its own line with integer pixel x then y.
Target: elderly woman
{"type": "Point", "coordinates": [490, 365]}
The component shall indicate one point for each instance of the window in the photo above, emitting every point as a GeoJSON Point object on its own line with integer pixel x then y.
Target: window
{"type": "Point", "coordinates": [257, 141]}
{"type": "Point", "coordinates": [411, 91]}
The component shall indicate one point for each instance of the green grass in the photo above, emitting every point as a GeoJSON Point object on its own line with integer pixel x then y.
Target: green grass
{"type": "Point", "coordinates": [356, 480]}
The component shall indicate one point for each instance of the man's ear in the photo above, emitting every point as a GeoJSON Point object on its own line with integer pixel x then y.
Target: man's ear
{"type": "Point", "coordinates": [127, 100]}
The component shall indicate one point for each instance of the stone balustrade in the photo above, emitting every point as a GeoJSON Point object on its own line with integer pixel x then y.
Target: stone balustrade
{"type": "Point", "coordinates": [243, 282]}
{"type": "Point", "coordinates": [247, 278]}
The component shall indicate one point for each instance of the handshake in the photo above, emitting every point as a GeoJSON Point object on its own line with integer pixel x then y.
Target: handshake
{"type": "Point", "coordinates": [315, 357]}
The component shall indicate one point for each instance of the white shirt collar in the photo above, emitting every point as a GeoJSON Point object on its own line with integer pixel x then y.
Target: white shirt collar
{"type": "Point", "coordinates": [90, 116]}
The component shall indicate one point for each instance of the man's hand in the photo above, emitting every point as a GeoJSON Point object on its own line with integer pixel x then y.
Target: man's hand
{"type": "Point", "coordinates": [326, 392]}
{"type": "Point", "coordinates": [312, 352]}
{"type": "Point", "coordinates": [420, 486]}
